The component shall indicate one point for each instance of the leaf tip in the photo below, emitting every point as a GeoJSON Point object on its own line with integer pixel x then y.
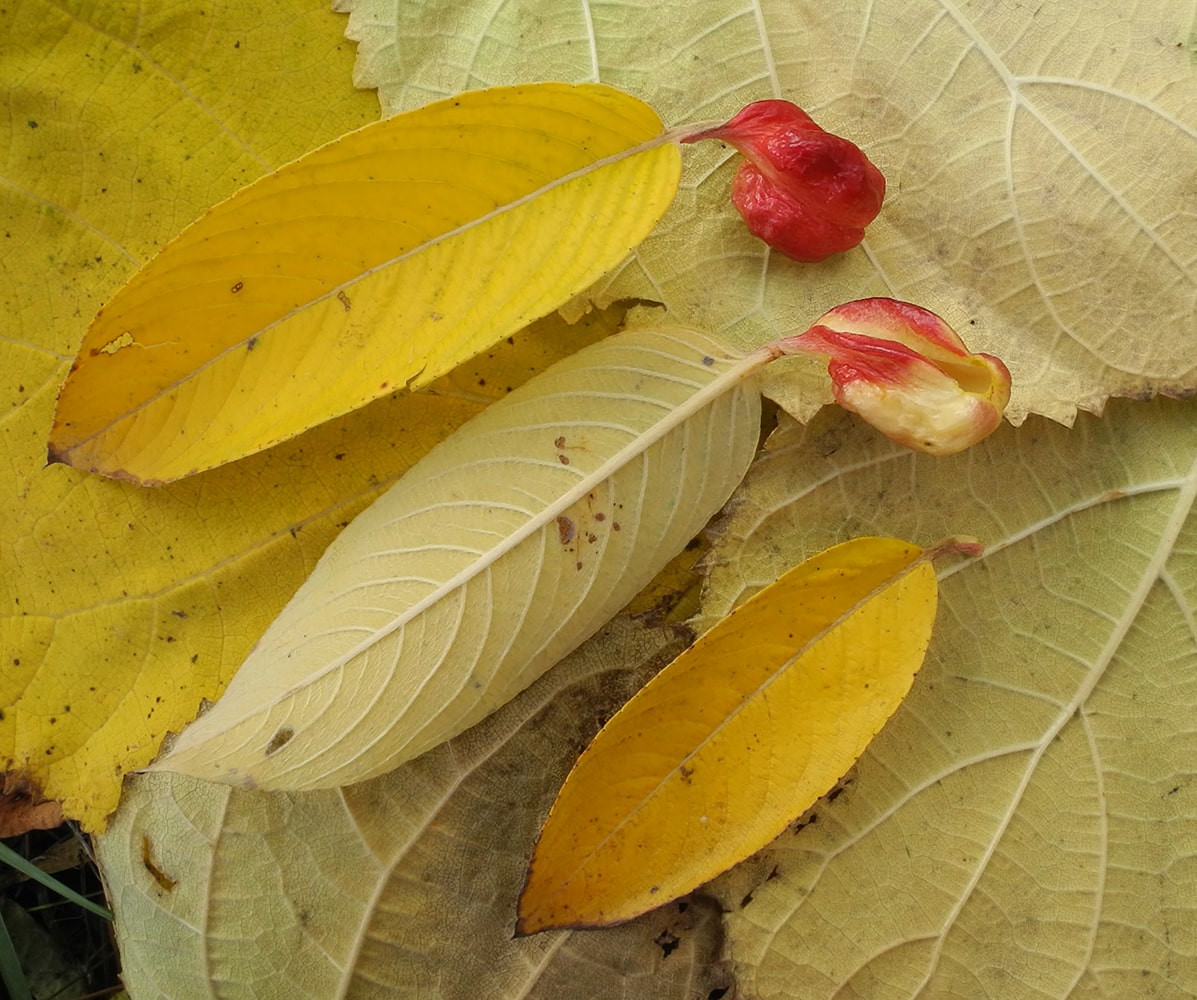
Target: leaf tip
{"type": "Point", "coordinates": [535, 914]}
{"type": "Point", "coordinates": [56, 455]}
{"type": "Point", "coordinates": [528, 920]}
{"type": "Point", "coordinates": [536, 921]}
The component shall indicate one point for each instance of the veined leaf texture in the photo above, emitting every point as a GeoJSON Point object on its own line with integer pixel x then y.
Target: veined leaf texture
{"type": "Point", "coordinates": [736, 738]}
{"type": "Point", "coordinates": [382, 259]}
{"type": "Point", "coordinates": [498, 553]}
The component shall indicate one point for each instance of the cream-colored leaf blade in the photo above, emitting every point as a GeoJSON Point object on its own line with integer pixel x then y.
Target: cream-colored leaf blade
{"type": "Point", "coordinates": [400, 887]}
{"type": "Point", "coordinates": [497, 554]}
{"type": "Point", "coordinates": [1038, 188]}
{"type": "Point", "coordinates": [1029, 806]}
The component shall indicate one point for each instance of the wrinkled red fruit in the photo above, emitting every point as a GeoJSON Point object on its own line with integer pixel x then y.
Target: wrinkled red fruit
{"type": "Point", "coordinates": [804, 191]}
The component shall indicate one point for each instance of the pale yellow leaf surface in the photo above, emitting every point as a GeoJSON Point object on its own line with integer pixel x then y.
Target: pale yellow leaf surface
{"type": "Point", "coordinates": [121, 608]}
{"type": "Point", "coordinates": [1025, 825]}
{"type": "Point", "coordinates": [501, 550]}
{"type": "Point", "coordinates": [400, 887]}
{"type": "Point", "coordinates": [1038, 158]}
{"type": "Point", "coordinates": [735, 738]}
{"type": "Point", "coordinates": [970, 850]}
{"type": "Point", "coordinates": [383, 259]}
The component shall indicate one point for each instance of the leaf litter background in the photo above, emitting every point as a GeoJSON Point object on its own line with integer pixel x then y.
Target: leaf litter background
{"type": "Point", "coordinates": [1063, 863]}
{"type": "Point", "coordinates": [1038, 157]}
{"type": "Point", "coordinates": [124, 606]}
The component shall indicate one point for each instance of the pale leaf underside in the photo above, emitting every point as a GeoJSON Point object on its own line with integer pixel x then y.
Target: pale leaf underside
{"type": "Point", "coordinates": [497, 554]}
{"type": "Point", "coordinates": [1034, 194]}
{"type": "Point", "coordinates": [1025, 824]}
{"type": "Point", "coordinates": [400, 887]}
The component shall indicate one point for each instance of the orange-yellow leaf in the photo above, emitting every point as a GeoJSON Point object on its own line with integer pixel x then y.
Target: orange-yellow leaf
{"type": "Point", "coordinates": [384, 258]}
{"type": "Point", "coordinates": [735, 738]}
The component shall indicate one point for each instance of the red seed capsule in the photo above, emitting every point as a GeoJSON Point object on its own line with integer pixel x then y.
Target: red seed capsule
{"type": "Point", "coordinates": [804, 191]}
{"type": "Point", "coordinates": [907, 372]}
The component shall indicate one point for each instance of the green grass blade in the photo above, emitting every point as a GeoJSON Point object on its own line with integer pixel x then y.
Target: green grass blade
{"type": "Point", "coordinates": [11, 972]}
{"type": "Point", "coordinates": [14, 860]}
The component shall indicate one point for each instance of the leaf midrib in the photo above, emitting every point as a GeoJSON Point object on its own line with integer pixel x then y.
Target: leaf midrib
{"type": "Point", "coordinates": [127, 414]}
{"type": "Point", "coordinates": [740, 371]}
{"type": "Point", "coordinates": [751, 698]}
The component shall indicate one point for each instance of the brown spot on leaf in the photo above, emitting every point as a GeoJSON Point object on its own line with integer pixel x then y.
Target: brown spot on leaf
{"type": "Point", "coordinates": [24, 808]}
{"type": "Point", "coordinates": [237, 287]}
{"type": "Point", "coordinates": [147, 859]}
{"type": "Point", "coordinates": [344, 300]}
{"type": "Point", "coordinates": [566, 530]}
{"type": "Point", "coordinates": [279, 740]}
{"type": "Point", "coordinates": [559, 442]}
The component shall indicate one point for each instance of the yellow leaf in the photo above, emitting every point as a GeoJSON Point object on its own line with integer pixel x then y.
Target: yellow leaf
{"type": "Point", "coordinates": [735, 738]}
{"type": "Point", "coordinates": [498, 553]}
{"type": "Point", "coordinates": [120, 607]}
{"type": "Point", "coordinates": [382, 259]}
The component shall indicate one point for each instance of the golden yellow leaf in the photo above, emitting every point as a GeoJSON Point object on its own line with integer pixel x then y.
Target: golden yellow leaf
{"type": "Point", "coordinates": [121, 608]}
{"type": "Point", "coordinates": [382, 259]}
{"type": "Point", "coordinates": [498, 553]}
{"type": "Point", "coordinates": [736, 737]}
